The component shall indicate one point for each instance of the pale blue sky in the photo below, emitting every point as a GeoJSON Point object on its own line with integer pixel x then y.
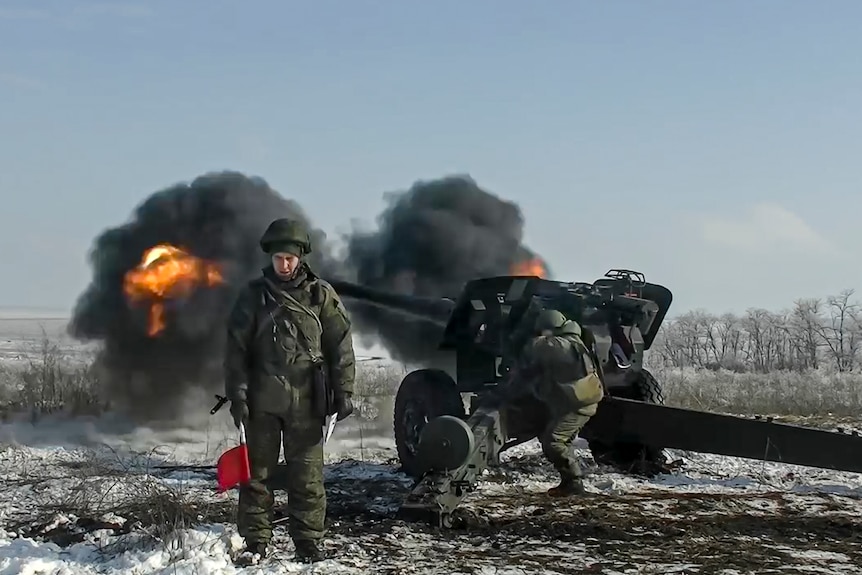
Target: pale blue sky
{"type": "Point", "coordinates": [727, 134]}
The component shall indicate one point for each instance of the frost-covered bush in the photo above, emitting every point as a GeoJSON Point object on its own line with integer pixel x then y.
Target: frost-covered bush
{"type": "Point", "coordinates": [46, 383]}
{"type": "Point", "coordinates": [813, 392]}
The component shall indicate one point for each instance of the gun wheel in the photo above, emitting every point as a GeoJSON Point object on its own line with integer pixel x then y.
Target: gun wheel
{"type": "Point", "coordinates": [423, 395]}
{"type": "Point", "coordinates": [634, 457]}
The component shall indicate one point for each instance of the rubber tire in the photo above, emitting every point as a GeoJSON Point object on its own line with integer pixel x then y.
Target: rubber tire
{"type": "Point", "coordinates": [631, 457]}
{"type": "Point", "coordinates": [434, 393]}
{"type": "Point", "coordinates": [648, 389]}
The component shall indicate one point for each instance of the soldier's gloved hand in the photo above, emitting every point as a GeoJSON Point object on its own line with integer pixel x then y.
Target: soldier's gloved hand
{"type": "Point", "coordinates": [239, 411]}
{"type": "Point", "coordinates": [343, 405]}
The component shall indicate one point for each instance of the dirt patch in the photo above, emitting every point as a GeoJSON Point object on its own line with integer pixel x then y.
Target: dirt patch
{"type": "Point", "coordinates": [617, 533]}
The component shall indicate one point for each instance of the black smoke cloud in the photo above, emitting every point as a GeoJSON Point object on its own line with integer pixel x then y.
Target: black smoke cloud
{"type": "Point", "coordinates": [217, 217]}
{"type": "Point", "coordinates": [431, 239]}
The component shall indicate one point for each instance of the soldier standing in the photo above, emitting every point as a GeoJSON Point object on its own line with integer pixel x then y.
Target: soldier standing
{"type": "Point", "coordinates": [287, 331]}
{"type": "Point", "coordinates": [564, 373]}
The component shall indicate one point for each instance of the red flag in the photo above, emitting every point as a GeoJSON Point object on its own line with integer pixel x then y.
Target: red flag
{"type": "Point", "coordinates": [233, 466]}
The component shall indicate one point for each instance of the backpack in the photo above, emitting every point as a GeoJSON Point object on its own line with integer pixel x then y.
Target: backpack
{"type": "Point", "coordinates": [581, 395]}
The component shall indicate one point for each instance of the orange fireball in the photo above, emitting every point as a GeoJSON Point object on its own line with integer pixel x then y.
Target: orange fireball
{"type": "Point", "coordinates": [531, 267]}
{"type": "Point", "coordinates": [165, 272]}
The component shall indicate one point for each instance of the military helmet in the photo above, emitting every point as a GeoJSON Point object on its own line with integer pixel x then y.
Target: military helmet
{"type": "Point", "coordinates": [557, 323]}
{"type": "Point", "coordinates": [571, 327]}
{"type": "Point", "coordinates": [286, 235]}
{"type": "Point", "coordinates": [549, 320]}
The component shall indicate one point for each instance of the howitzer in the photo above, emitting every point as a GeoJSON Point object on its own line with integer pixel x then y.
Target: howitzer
{"type": "Point", "coordinates": [446, 447]}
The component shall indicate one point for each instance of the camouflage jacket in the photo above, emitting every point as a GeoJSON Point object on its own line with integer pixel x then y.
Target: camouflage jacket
{"type": "Point", "coordinates": [562, 371]}
{"type": "Point", "coordinates": [273, 344]}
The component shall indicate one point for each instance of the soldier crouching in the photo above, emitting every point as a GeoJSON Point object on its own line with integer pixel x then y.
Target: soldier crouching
{"type": "Point", "coordinates": [567, 381]}
{"type": "Point", "coordinates": [287, 328]}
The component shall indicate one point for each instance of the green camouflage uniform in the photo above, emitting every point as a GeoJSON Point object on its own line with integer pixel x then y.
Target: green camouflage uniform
{"type": "Point", "coordinates": [269, 364]}
{"type": "Point", "coordinates": [566, 380]}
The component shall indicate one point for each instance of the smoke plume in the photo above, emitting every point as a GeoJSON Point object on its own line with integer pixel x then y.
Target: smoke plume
{"type": "Point", "coordinates": [431, 239]}
{"type": "Point", "coordinates": [218, 218]}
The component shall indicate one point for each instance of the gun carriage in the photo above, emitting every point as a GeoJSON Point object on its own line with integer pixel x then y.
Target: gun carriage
{"type": "Point", "coordinates": [446, 442]}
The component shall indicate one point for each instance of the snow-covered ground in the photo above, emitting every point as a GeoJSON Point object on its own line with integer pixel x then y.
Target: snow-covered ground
{"type": "Point", "coordinates": [22, 339]}
{"type": "Point", "coordinates": [102, 495]}
{"type": "Point", "coordinates": [78, 499]}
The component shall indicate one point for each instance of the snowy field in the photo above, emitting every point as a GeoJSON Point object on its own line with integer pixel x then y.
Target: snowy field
{"type": "Point", "coordinates": [22, 339]}
{"type": "Point", "coordinates": [76, 501]}
{"type": "Point", "coordinates": [96, 495]}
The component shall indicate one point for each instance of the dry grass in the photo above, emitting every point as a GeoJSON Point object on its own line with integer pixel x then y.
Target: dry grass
{"type": "Point", "coordinates": [47, 384]}
{"type": "Point", "coordinates": [810, 393]}
{"type": "Point", "coordinates": [118, 496]}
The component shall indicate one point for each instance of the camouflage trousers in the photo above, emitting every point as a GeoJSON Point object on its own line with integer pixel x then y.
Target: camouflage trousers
{"type": "Point", "coordinates": [557, 438]}
{"type": "Point", "coordinates": [302, 478]}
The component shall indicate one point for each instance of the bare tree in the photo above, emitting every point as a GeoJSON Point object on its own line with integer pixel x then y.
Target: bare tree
{"type": "Point", "coordinates": [810, 335]}
{"type": "Point", "coordinates": [840, 331]}
{"type": "Point", "coordinates": [805, 322]}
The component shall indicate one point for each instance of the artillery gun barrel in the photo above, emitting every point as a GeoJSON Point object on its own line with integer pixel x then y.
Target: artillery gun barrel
{"type": "Point", "coordinates": [435, 310]}
{"type": "Point", "coordinates": [454, 453]}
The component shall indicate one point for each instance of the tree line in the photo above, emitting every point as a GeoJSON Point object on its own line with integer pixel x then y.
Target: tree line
{"type": "Point", "coordinates": [813, 334]}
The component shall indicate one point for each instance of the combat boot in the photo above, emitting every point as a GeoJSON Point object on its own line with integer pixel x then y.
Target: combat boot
{"type": "Point", "coordinates": [258, 547]}
{"type": "Point", "coordinates": [568, 487]}
{"type": "Point", "coordinates": [254, 552]}
{"type": "Point", "coordinates": [308, 551]}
